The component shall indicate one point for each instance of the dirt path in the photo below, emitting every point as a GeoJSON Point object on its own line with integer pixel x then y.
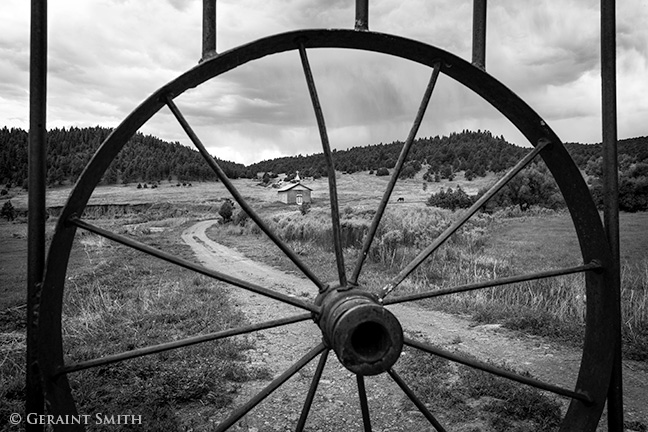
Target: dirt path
{"type": "Point", "coordinates": [336, 405]}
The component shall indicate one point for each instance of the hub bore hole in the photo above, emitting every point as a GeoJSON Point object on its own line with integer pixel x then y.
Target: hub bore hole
{"type": "Point", "coordinates": [370, 340]}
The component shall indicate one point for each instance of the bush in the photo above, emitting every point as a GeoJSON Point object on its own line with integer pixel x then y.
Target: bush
{"type": "Point", "coordinates": [226, 211]}
{"type": "Point", "coordinates": [8, 212]}
{"type": "Point", "coordinates": [533, 186]}
{"type": "Point", "coordinates": [382, 171]}
{"type": "Point", "coordinates": [408, 171]}
{"type": "Point", "coordinates": [451, 199]}
{"type": "Point", "coordinates": [633, 194]}
{"type": "Point", "coordinates": [305, 208]}
{"type": "Point", "coordinates": [240, 218]}
{"type": "Point", "coordinates": [638, 170]}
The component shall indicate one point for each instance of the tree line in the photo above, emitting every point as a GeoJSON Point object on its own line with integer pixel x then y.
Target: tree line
{"type": "Point", "coordinates": [470, 151]}
{"type": "Point", "coordinates": [146, 158]}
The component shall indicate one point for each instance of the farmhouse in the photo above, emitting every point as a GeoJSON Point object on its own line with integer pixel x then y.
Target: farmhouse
{"type": "Point", "coordinates": [295, 193]}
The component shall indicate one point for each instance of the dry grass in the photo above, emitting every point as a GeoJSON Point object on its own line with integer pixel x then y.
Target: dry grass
{"type": "Point", "coordinates": [487, 247]}
{"type": "Point", "coordinates": [116, 300]}
{"type": "Point", "coordinates": [358, 190]}
{"type": "Point", "coordinates": [469, 399]}
{"type": "Point", "coordinates": [108, 311]}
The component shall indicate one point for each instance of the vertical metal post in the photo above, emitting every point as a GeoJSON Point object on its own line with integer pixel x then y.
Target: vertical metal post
{"type": "Point", "coordinates": [36, 200]}
{"type": "Point", "coordinates": [611, 194]}
{"type": "Point", "coordinates": [209, 30]}
{"type": "Point", "coordinates": [479, 34]}
{"type": "Point", "coordinates": [362, 15]}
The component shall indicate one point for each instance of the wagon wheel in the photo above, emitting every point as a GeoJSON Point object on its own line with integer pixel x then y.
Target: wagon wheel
{"type": "Point", "coordinates": [366, 337]}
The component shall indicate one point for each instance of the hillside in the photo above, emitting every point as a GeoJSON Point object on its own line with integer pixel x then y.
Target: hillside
{"type": "Point", "coordinates": [478, 152]}
{"type": "Point", "coordinates": [146, 158]}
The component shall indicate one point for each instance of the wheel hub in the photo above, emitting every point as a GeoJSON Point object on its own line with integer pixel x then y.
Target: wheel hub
{"type": "Point", "coordinates": [366, 337]}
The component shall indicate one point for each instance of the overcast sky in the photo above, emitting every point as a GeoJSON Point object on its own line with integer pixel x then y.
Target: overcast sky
{"type": "Point", "coordinates": [107, 56]}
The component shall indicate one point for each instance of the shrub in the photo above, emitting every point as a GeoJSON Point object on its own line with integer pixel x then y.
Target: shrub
{"type": "Point", "coordinates": [240, 218]}
{"type": "Point", "coordinates": [450, 199]}
{"type": "Point", "coordinates": [305, 208]}
{"type": "Point", "coordinates": [8, 212]}
{"type": "Point", "coordinates": [226, 211]}
{"type": "Point", "coordinates": [408, 171]}
{"type": "Point", "coordinates": [633, 193]}
{"type": "Point", "coordinates": [638, 170]}
{"type": "Point", "coordinates": [533, 186]}
{"type": "Point", "coordinates": [382, 171]}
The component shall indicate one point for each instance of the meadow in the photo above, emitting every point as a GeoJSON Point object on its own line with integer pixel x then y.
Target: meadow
{"type": "Point", "coordinates": [505, 243]}
{"type": "Point", "coordinates": [490, 245]}
{"type": "Point", "coordinates": [119, 299]}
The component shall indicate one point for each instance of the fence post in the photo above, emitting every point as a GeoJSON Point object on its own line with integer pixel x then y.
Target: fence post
{"type": "Point", "coordinates": [479, 34]}
{"type": "Point", "coordinates": [36, 201]}
{"type": "Point", "coordinates": [209, 30]}
{"type": "Point", "coordinates": [362, 15]}
{"type": "Point", "coordinates": [611, 197]}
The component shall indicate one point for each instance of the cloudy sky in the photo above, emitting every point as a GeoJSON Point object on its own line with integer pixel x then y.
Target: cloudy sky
{"type": "Point", "coordinates": [107, 56]}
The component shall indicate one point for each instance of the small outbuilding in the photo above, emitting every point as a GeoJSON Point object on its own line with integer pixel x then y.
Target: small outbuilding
{"type": "Point", "coordinates": [295, 193]}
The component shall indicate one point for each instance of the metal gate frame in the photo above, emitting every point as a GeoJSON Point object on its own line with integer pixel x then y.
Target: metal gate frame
{"type": "Point", "coordinates": [38, 170]}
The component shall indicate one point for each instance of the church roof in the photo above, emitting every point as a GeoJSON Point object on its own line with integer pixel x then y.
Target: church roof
{"type": "Point", "coordinates": [293, 185]}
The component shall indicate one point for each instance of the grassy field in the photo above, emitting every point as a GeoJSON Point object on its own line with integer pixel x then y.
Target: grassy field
{"type": "Point", "coordinates": [13, 264]}
{"type": "Point", "coordinates": [487, 247]}
{"type": "Point", "coordinates": [117, 300]}
{"type": "Point", "coordinates": [108, 311]}
{"type": "Point", "coordinates": [357, 189]}
{"type": "Point", "coordinates": [469, 396]}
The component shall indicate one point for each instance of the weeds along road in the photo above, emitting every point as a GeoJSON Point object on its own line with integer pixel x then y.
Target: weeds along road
{"type": "Point", "coordinates": [336, 405]}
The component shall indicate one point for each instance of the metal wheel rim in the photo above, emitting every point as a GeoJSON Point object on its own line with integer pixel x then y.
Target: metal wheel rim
{"type": "Point", "coordinates": [596, 362]}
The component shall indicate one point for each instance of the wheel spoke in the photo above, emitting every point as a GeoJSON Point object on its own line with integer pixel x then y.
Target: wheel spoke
{"type": "Point", "coordinates": [397, 170]}
{"type": "Point", "coordinates": [593, 266]}
{"type": "Point", "coordinates": [499, 371]}
{"type": "Point", "coordinates": [364, 405]}
{"type": "Point", "coordinates": [311, 391]}
{"type": "Point", "coordinates": [276, 383]}
{"type": "Point", "coordinates": [420, 405]}
{"type": "Point", "coordinates": [238, 197]}
{"type": "Point", "coordinates": [191, 266]}
{"type": "Point", "coordinates": [459, 222]}
{"type": "Point", "coordinates": [328, 157]}
{"type": "Point", "coordinates": [155, 349]}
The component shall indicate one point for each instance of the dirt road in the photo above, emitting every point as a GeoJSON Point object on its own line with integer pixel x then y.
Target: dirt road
{"type": "Point", "coordinates": [336, 405]}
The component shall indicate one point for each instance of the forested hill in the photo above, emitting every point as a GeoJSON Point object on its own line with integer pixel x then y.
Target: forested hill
{"type": "Point", "coordinates": [148, 159]}
{"type": "Point", "coordinates": [478, 152]}
{"type": "Point", "coordinates": [475, 153]}
{"type": "Point", "coordinates": [144, 158]}
{"type": "Point", "coordinates": [631, 150]}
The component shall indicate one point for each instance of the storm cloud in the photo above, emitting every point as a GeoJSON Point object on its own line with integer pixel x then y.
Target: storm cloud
{"type": "Point", "coordinates": [107, 56]}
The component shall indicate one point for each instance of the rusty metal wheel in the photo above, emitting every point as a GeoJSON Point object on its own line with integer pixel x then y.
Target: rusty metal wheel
{"type": "Point", "coordinates": [366, 337]}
